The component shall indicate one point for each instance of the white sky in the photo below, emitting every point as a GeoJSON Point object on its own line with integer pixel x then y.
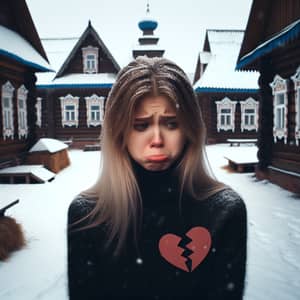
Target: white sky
{"type": "Point", "coordinates": [181, 24]}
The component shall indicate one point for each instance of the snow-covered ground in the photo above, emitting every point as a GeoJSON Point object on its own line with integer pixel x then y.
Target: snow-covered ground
{"type": "Point", "coordinates": [39, 270]}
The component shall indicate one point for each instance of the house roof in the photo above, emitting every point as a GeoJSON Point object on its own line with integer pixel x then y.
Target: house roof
{"type": "Point", "coordinates": [89, 30]}
{"type": "Point", "coordinates": [60, 52]}
{"type": "Point", "coordinates": [16, 47]}
{"type": "Point", "coordinates": [220, 74]}
{"type": "Point", "coordinates": [290, 32]}
{"type": "Point", "coordinates": [257, 41]}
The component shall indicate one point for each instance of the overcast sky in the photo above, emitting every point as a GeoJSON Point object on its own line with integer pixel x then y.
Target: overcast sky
{"type": "Point", "coordinates": [181, 23]}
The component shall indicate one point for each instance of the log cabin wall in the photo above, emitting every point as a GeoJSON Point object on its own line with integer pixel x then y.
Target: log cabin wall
{"type": "Point", "coordinates": [52, 116]}
{"type": "Point", "coordinates": [209, 112]}
{"type": "Point", "coordinates": [12, 150]}
{"type": "Point", "coordinates": [285, 62]}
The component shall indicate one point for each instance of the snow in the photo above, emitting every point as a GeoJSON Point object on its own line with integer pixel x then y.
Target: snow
{"type": "Point", "coordinates": [220, 71]}
{"type": "Point", "coordinates": [79, 78]}
{"type": "Point", "coordinates": [50, 145]}
{"type": "Point", "coordinates": [36, 170]}
{"type": "Point", "coordinates": [14, 44]}
{"type": "Point", "coordinates": [39, 270]}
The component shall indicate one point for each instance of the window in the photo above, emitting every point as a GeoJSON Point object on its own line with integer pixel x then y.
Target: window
{"type": "Point", "coordinates": [22, 112]}
{"type": "Point", "coordinates": [279, 88]}
{"type": "Point", "coordinates": [90, 59]}
{"type": "Point", "coordinates": [38, 108]}
{"type": "Point", "coordinates": [7, 110]}
{"type": "Point", "coordinates": [249, 114]}
{"type": "Point", "coordinates": [296, 79]}
{"type": "Point", "coordinates": [69, 110]}
{"type": "Point", "coordinates": [225, 114]}
{"type": "Point", "coordinates": [94, 109]}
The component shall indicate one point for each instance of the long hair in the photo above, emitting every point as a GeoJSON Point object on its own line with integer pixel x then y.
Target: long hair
{"type": "Point", "coordinates": [119, 203]}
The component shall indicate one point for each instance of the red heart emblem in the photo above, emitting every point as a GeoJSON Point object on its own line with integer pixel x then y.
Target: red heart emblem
{"type": "Point", "coordinates": [197, 248]}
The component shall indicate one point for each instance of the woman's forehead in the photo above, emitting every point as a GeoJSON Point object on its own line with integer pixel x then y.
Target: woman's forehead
{"type": "Point", "coordinates": [154, 105]}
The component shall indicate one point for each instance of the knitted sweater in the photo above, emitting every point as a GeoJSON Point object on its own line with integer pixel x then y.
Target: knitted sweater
{"type": "Point", "coordinates": [199, 253]}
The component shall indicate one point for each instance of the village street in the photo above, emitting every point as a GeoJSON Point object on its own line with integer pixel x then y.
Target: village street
{"type": "Point", "coordinates": [39, 270]}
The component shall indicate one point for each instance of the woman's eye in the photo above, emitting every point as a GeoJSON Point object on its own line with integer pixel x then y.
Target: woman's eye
{"type": "Point", "coordinates": [140, 126]}
{"type": "Point", "coordinates": [172, 124]}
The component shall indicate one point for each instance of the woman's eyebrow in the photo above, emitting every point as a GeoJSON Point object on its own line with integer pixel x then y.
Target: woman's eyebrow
{"type": "Point", "coordinates": [168, 117]}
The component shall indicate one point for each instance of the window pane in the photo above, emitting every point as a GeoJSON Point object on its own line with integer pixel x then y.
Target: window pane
{"type": "Point", "coordinates": [249, 111]}
{"type": "Point", "coordinates": [251, 120]}
{"type": "Point", "coordinates": [246, 120]}
{"type": "Point", "coordinates": [21, 103]}
{"type": "Point", "coordinates": [6, 102]}
{"type": "Point", "coordinates": [222, 120]}
{"type": "Point", "coordinates": [225, 111]}
{"type": "Point", "coordinates": [90, 56]}
{"type": "Point", "coordinates": [280, 99]}
{"type": "Point", "coordinates": [228, 119]}
{"type": "Point", "coordinates": [95, 107]}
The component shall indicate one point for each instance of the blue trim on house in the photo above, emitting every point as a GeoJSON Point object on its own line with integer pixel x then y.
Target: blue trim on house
{"type": "Point", "coordinates": [25, 62]}
{"type": "Point", "coordinates": [224, 90]}
{"type": "Point", "coordinates": [148, 25]}
{"type": "Point", "coordinates": [74, 85]}
{"type": "Point", "coordinates": [288, 33]}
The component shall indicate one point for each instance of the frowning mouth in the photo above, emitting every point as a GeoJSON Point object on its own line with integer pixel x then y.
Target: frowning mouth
{"type": "Point", "coordinates": [157, 158]}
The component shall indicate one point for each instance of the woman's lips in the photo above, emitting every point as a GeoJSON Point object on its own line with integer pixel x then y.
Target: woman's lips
{"type": "Point", "coordinates": [157, 158]}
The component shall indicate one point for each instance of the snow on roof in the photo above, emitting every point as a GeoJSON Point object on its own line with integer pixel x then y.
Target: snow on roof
{"type": "Point", "coordinates": [37, 170]}
{"type": "Point", "coordinates": [81, 79]}
{"type": "Point", "coordinates": [16, 47]}
{"type": "Point", "coordinates": [220, 72]}
{"type": "Point", "coordinates": [50, 145]}
{"type": "Point", "coordinates": [57, 49]}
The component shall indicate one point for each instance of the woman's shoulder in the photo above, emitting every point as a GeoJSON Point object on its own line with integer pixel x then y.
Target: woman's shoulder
{"type": "Point", "coordinates": [80, 207]}
{"type": "Point", "coordinates": [226, 200]}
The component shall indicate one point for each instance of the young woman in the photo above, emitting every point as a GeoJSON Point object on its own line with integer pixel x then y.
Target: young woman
{"type": "Point", "coordinates": [156, 224]}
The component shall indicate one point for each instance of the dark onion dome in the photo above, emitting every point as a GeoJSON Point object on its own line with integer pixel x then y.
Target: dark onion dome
{"type": "Point", "coordinates": [148, 24]}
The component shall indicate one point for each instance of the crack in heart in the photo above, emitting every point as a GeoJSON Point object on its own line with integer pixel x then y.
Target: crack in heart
{"type": "Point", "coordinates": [186, 255]}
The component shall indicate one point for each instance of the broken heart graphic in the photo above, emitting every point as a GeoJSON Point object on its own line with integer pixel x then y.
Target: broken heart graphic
{"type": "Point", "coordinates": [195, 250]}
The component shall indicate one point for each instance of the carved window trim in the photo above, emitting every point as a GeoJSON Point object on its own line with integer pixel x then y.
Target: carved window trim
{"type": "Point", "coordinates": [22, 112]}
{"type": "Point", "coordinates": [248, 104]}
{"type": "Point", "coordinates": [94, 100]}
{"type": "Point", "coordinates": [38, 107]}
{"type": "Point", "coordinates": [7, 110]}
{"type": "Point", "coordinates": [280, 110]}
{"type": "Point", "coordinates": [296, 80]}
{"type": "Point", "coordinates": [226, 104]}
{"type": "Point", "coordinates": [69, 117]}
{"type": "Point", "coordinates": [90, 59]}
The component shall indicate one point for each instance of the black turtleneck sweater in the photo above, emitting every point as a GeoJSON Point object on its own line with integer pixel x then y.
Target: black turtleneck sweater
{"type": "Point", "coordinates": [162, 267]}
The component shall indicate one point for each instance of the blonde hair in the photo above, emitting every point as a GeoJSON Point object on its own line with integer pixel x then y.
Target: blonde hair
{"type": "Point", "coordinates": [119, 203]}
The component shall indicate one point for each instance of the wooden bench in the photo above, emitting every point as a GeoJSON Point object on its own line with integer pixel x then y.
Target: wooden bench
{"type": "Point", "coordinates": [242, 164]}
{"type": "Point", "coordinates": [95, 147]}
{"type": "Point", "coordinates": [238, 142]}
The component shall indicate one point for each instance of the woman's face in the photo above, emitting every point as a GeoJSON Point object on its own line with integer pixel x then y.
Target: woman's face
{"type": "Point", "coordinates": [156, 138]}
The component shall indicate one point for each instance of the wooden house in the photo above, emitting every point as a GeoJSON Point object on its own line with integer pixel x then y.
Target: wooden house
{"type": "Point", "coordinates": [228, 98]}
{"type": "Point", "coordinates": [272, 46]}
{"type": "Point", "coordinates": [21, 55]}
{"type": "Point", "coordinates": [71, 103]}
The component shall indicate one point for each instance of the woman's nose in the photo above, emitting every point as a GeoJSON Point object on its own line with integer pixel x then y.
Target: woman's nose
{"type": "Point", "coordinates": [157, 140]}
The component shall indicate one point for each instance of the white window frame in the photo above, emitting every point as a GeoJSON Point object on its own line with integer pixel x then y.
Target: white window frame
{"type": "Point", "coordinates": [91, 101]}
{"type": "Point", "coordinates": [66, 101]}
{"type": "Point", "coordinates": [22, 112]}
{"type": "Point", "coordinates": [249, 103]}
{"type": "Point", "coordinates": [279, 87]}
{"type": "Point", "coordinates": [296, 79]}
{"type": "Point", "coordinates": [38, 107]}
{"type": "Point", "coordinates": [86, 52]}
{"type": "Point", "coordinates": [226, 103]}
{"type": "Point", "coordinates": [8, 129]}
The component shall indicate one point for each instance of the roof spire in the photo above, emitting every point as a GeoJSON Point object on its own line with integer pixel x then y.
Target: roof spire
{"type": "Point", "coordinates": [148, 7]}
{"type": "Point", "coordinates": [90, 24]}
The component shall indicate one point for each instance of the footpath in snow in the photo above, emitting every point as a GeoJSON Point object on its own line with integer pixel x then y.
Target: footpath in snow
{"type": "Point", "coordinates": [39, 270]}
